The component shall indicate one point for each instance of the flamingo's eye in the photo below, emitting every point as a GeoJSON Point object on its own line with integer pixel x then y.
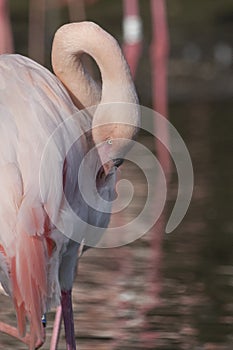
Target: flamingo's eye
{"type": "Point", "coordinates": [109, 141]}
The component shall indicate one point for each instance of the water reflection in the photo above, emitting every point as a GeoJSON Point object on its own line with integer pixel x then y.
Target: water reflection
{"type": "Point", "coordinates": [166, 291]}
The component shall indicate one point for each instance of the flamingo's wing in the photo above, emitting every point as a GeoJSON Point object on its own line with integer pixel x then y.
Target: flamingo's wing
{"type": "Point", "coordinates": [32, 105]}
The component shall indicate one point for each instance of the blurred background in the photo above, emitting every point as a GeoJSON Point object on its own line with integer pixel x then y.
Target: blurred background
{"type": "Point", "coordinates": [164, 291]}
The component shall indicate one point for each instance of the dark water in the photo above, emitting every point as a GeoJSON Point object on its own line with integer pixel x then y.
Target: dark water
{"type": "Point", "coordinates": [166, 291]}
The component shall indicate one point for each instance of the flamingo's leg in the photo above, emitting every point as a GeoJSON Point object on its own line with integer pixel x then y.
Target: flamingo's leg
{"type": "Point", "coordinates": [41, 342]}
{"type": "Point", "coordinates": [67, 312]}
{"type": "Point", "coordinates": [13, 332]}
{"type": "Point", "coordinates": [56, 329]}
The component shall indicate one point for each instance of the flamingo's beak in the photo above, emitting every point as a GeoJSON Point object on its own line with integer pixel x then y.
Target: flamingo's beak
{"type": "Point", "coordinates": [118, 162]}
{"type": "Point", "coordinates": [107, 160]}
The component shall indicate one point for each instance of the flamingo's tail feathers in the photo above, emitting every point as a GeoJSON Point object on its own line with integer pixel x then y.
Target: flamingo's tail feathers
{"type": "Point", "coordinates": [29, 284]}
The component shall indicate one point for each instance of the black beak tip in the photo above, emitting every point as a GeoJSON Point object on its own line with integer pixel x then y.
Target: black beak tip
{"type": "Point", "coordinates": [118, 162]}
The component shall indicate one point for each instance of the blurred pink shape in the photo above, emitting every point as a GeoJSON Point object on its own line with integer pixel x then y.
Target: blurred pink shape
{"type": "Point", "coordinates": [6, 38]}
{"type": "Point", "coordinates": [159, 59]}
{"type": "Point", "coordinates": [132, 34]}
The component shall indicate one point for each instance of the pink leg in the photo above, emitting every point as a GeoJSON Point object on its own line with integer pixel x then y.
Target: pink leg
{"type": "Point", "coordinates": [13, 332]}
{"type": "Point", "coordinates": [6, 39]}
{"type": "Point", "coordinates": [67, 312]}
{"type": "Point", "coordinates": [56, 329]}
{"type": "Point", "coordinates": [41, 342]}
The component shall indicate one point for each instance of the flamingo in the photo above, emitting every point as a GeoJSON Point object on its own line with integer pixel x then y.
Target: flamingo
{"type": "Point", "coordinates": [6, 38]}
{"type": "Point", "coordinates": [37, 259]}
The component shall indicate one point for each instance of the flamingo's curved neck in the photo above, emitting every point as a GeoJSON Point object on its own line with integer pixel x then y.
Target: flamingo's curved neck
{"type": "Point", "coordinates": [70, 42]}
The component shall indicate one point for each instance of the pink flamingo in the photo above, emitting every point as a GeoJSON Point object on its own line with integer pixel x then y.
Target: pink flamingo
{"type": "Point", "coordinates": [6, 39]}
{"type": "Point", "coordinates": [37, 261]}
{"type": "Point", "coordinates": [132, 30]}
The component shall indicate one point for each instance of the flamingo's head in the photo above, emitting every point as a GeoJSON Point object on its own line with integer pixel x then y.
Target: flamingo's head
{"type": "Point", "coordinates": [114, 127]}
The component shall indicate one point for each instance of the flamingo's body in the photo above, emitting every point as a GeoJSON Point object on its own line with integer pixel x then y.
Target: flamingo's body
{"type": "Point", "coordinates": [37, 261]}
